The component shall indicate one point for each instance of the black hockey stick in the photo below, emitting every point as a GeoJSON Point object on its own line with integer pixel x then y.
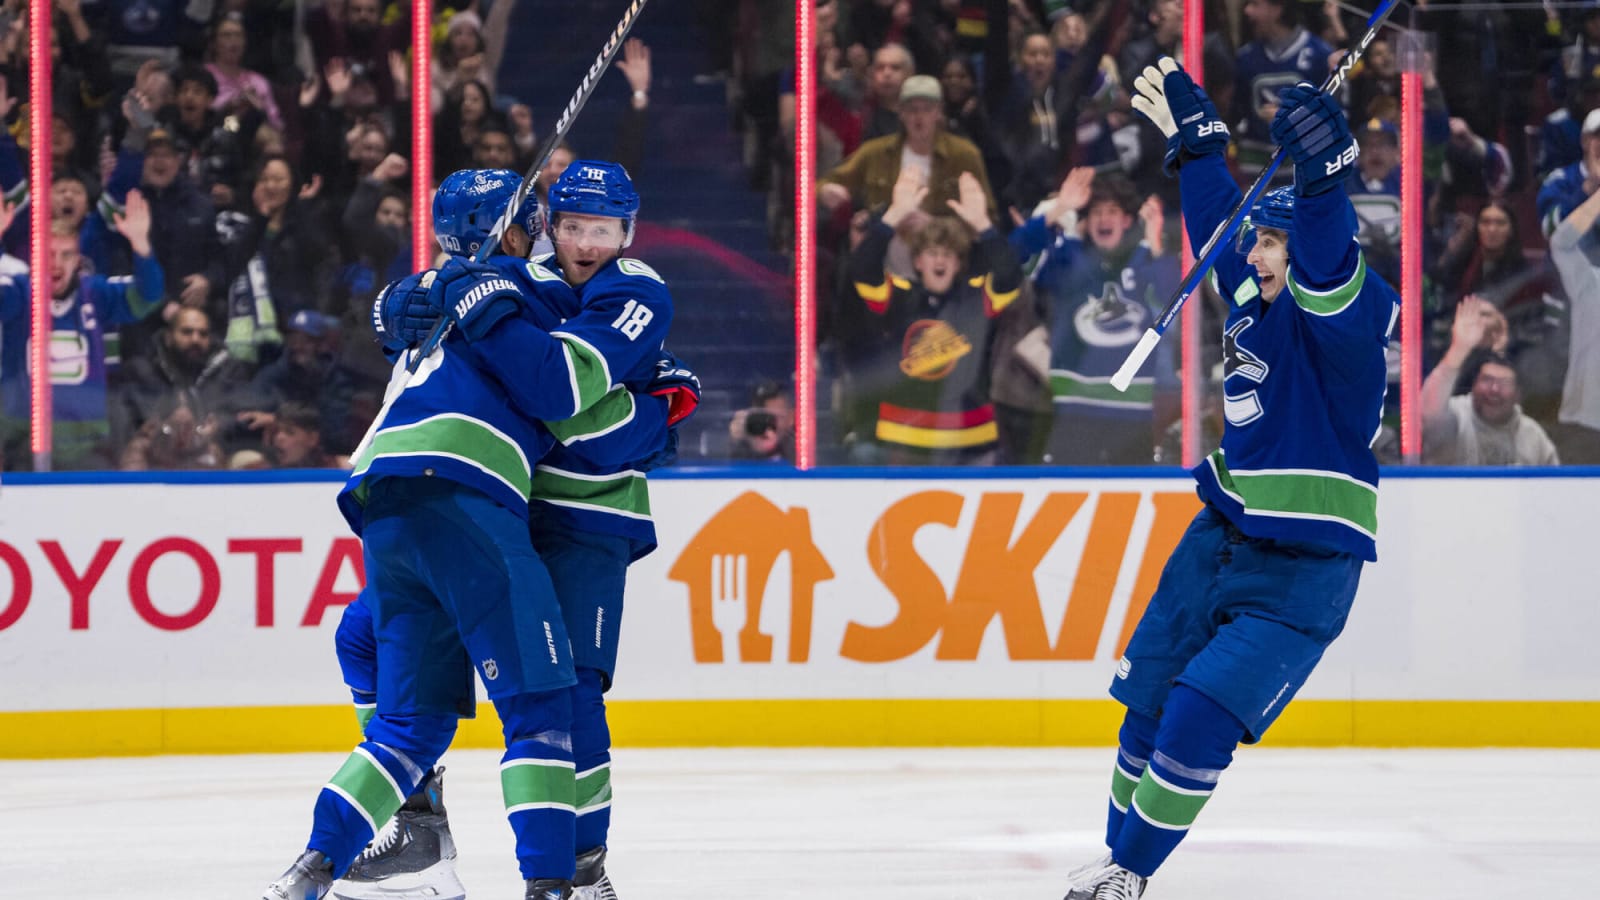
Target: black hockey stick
{"type": "Point", "coordinates": [1207, 257]}
{"type": "Point", "coordinates": [546, 150]}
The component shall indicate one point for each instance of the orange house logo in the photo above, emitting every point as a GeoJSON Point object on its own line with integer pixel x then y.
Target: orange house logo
{"type": "Point", "coordinates": [729, 564]}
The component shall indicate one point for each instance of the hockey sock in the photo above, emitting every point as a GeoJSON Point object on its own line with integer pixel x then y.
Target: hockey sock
{"type": "Point", "coordinates": [537, 780]}
{"type": "Point", "coordinates": [1194, 743]}
{"type": "Point", "coordinates": [366, 706]}
{"type": "Point", "coordinates": [591, 750]}
{"type": "Point", "coordinates": [1134, 743]}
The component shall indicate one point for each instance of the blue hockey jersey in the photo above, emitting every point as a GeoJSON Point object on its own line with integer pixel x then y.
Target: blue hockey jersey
{"type": "Point", "coordinates": [470, 417]}
{"type": "Point", "coordinates": [1099, 307]}
{"type": "Point", "coordinates": [1258, 77]}
{"type": "Point", "coordinates": [82, 326]}
{"type": "Point", "coordinates": [610, 347]}
{"type": "Point", "coordinates": [1304, 377]}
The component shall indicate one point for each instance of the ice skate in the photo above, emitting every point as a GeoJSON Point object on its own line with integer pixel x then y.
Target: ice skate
{"type": "Point", "coordinates": [1104, 880]}
{"type": "Point", "coordinates": [548, 889]}
{"type": "Point", "coordinates": [413, 856]}
{"type": "Point", "coordinates": [308, 879]}
{"type": "Point", "coordinates": [591, 882]}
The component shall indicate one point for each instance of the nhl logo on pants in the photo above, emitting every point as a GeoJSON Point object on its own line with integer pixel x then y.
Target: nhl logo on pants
{"type": "Point", "coordinates": [491, 670]}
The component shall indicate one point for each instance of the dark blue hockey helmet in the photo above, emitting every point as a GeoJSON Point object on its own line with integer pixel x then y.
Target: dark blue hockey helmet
{"type": "Point", "coordinates": [591, 187]}
{"type": "Point", "coordinates": [1274, 209]}
{"type": "Point", "coordinates": [469, 202]}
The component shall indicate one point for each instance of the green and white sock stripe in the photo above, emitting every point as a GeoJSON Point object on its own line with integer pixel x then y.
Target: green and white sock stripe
{"type": "Point", "coordinates": [456, 436]}
{"type": "Point", "coordinates": [529, 784]}
{"type": "Point", "coordinates": [594, 789]}
{"type": "Point", "coordinates": [613, 411]}
{"type": "Point", "coordinates": [587, 372]}
{"type": "Point", "coordinates": [1165, 805]}
{"type": "Point", "coordinates": [1124, 778]}
{"type": "Point", "coordinates": [364, 714]}
{"type": "Point", "coordinates": [1301, 494]}
{"type": "Point", "coordinates": [624, 493]}
{"type": "Point", "coordinates": [1334, 301]}
{"type": "Point", "coordinates": [368, 787]}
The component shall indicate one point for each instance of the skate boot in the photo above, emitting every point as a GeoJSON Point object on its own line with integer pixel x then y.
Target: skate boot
{"type": "Point", "coordinates": [1108, 881]}
{"type": "Point", "coordinates": [412, 856]}
{"type": "Point", "coordinates": [308, 879]}
{"type": "Point", "coordinates": [548, 889]}
{"type": "Point", "coordinates": [591, 882]}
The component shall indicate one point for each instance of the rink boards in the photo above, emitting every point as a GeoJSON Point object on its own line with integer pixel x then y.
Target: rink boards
{"type": "Point", "coordinates": [153, 616]}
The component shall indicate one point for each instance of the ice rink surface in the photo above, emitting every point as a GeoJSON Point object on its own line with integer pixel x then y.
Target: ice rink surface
{"type": "Point", "coordinates": [884, 824]}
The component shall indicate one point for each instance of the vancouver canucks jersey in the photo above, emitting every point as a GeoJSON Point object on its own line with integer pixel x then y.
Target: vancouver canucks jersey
{"type": "Point", "coordinates": [1099, 306]}
{"type": "Point", "coordinates": [611, 345]}
{"type": "Point", "coordinates": [80, 330]}
{"type": "Point", "coordinates": [1304, 377]}
{"type": "Point", "coordinates": [1259, 75]}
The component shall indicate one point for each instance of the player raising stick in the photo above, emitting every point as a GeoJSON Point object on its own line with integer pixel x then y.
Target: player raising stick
{"type": "Point", "coordinates": [1262, 581]}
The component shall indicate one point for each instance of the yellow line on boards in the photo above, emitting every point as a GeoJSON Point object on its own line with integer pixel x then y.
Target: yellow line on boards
{"type": "Point", "coordinates": [809, 723]}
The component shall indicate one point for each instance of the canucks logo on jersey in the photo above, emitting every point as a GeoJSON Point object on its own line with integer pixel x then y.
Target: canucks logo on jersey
{"type": "Point", "coordinates": [1241, 409]}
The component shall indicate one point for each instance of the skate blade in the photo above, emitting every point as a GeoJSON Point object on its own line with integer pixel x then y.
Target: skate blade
{"type": "Point", "coordinates": [433, 883]}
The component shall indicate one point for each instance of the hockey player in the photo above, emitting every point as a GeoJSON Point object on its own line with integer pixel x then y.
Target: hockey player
{"type": "Point", "coordinates": [590, 518]}
{"type": "Point", "coordinates": [447, 478]}
{"type": "Point", "coordinates": [1262, 581]}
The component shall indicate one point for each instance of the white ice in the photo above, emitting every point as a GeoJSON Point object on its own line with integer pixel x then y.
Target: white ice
{"type": "Point", "coordinates": [885, 824]}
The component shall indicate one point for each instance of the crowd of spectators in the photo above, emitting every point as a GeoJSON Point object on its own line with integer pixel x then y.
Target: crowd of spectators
{"type": "Point", "coordinates": [231, 188]}
{"type": "Point", "coordinates": [1029, 101]}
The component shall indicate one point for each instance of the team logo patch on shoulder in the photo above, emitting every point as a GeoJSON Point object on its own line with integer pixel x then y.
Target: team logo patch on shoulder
{"type": "Point", "coordinates": [639, 269]}
{"type": "Point", "coordinates": [539, 273]}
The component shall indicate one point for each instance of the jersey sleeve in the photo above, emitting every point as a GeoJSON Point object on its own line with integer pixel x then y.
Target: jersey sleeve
{"type": "Point", "coordinates": [1208, 194]}
{"type": "Point", "coordinates": [129, 298]}
{"type": "Point", "coordinates": [868, 269]}
{"type": "Point", "coordinates": [556, 375]}
{"type": "Point", "coordinates": [622, 428]}
{"type": "Point", "coordinates": [1346, 307]}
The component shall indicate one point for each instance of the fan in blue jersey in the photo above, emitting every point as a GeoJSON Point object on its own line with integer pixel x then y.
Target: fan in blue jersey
{"type": "Point", "coordinates": [1262, 581]}
{"type": "Point", "coordinates": [85, 311]}
{"type": "Point", "coordinates": [587, 555]}
{"type": "Point", "coordinates": [1102, 288]}
{"type": "Point", "coordinates": [1283, 53]}
{"type": "Point", "coordinates": [440, 498]}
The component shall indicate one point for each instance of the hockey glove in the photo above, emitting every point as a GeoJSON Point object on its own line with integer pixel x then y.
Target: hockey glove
{"type": "Point", "coordinates": [476, 296]}
{"type": "Point", "coordinates": [1312, 127]}
{"type": "Point", "coordinates": [678, 385]}
{"type": "Point", "coordinates": [401, 315]}
{"type": "Point", "coordinates": [1166, 95]}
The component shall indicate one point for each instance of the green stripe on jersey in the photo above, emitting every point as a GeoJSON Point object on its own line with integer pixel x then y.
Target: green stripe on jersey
{"type": "Point", "coordinates": [537, 784]}
{"type": "Point", "coordinates": [366, 784]}
{"type": "Point", "coordinates": [1166, 805]}
{"type": "Point", "coordinates": [1328, 303]}
{"type": "Point", "coordinates": [461, 437]}
{"type": "Point", "coordinates": [594, 788]}
{"type": "Point", "coordinates": [1066, 386]}
{"type": "Point", "coordinates": [613, 411]}
{"type": "Point", "coordinates": [1301, 494]}
{"type": "Point", "coordinates": [624, 493]}
{"type": "Point", "coordinates": [587, 371]}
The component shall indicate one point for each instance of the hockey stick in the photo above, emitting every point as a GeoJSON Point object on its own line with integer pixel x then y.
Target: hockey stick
{"type": "Point", "coordinates": [1226, 229]}
{"type": "Point", "coordinates": [586, 87]}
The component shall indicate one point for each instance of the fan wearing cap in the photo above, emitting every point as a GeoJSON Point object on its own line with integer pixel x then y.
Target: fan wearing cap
{"type": "Point", "coordinates": [866, 179]}
{"type": "Point", "coordinates": [1567, 186]}
{"type": "Point", "coordinates": [1374, 189]}
{"type": "Point", "coordinates": [307, 373]}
